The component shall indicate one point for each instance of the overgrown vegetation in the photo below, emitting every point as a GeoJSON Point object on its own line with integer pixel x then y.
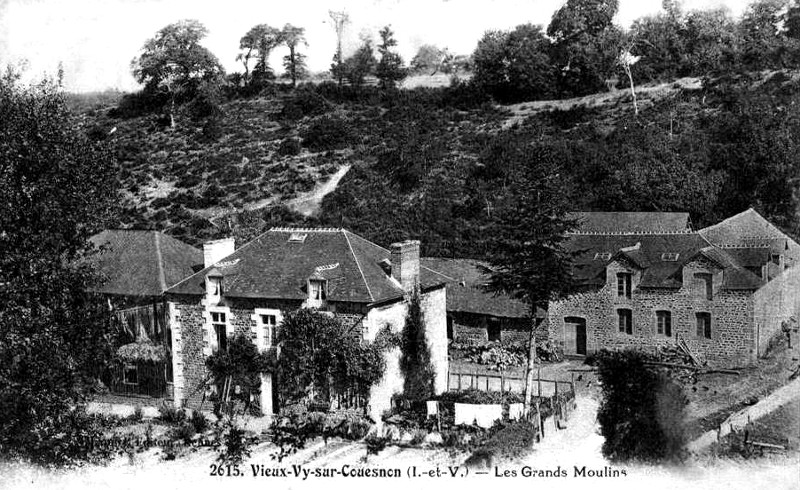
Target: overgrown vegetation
{"type": "Point", "coordinates": [415, 357]}
{"type": "Point", "coordinates": [642, 414]}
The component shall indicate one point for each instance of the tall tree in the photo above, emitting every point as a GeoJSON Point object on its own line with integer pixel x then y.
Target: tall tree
{"type": "Point", "coordinates": [340, 20]}
{"type": "Point", "coordinates": [516, 65]}
{"type": "Point", "coordinates": [415, 358]}
{"type": "Point", "coordinates": [527, 259]}
{"type": "Point", "coordinates": [361, 64]}
{"type": "Point", "coordinates": [295, 61]}
{"type": "Point", "coordinates": [429, 58]}
{"type": "Point", "coordinates": [585, 44]}
{"type": "Point", "coordinates": [176, 63]}
{"type": "Point", "coordinates": [58, 189]}
{"type": "Point", "coordinates": [390, 68]}
{"type": "Point", "coordinates": [257, 44]}
{"type": "Point", "coordinates": [761, 34]}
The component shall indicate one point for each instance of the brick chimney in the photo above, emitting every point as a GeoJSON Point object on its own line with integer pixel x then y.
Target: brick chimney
{"type": "Point", "coordinates": [405, 263]}
{"type": "Point", "coordinates": [216, 250]}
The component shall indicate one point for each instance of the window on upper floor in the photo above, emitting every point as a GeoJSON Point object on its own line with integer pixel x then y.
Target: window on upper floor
{"type": "Point", "coordinates": [219, 322]}
{"type": "Point", "coordinates": [664, 323]}
{"type": "Point", "coordinates": [703, 325]}
{"type": "Point", "coordinates": [704, 285]}
{"type": "Point", "coordinates": [316, 292]}
{"type": "Point", "coordinates": [269, 323]}
{"type": "Point", "coordinates": [625, 321]}
{"type": "Point", "coordinates": [624, 282]}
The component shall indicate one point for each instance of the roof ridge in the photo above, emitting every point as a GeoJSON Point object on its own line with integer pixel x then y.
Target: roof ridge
{"type": "Point", "coordinates": [305, 230]}
{"type": "Point", "coordinates": [633, 233]}
{"type": "Point", "coordinates": [437, 272]}
{"type": "Point", "coordinates": [358, 264]}
{"type": "Point", "coordinates": [162, 280]}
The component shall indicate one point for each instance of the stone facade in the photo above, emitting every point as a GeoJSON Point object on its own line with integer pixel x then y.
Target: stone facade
{"type": "Point", "coordinates": [777, 302]}
{"type": "Point", "coordinates": [474, 328]}
{"type": "Point", "coordinates": [733, 334]}
{"type": "Point", "coordinates": [193, 339]}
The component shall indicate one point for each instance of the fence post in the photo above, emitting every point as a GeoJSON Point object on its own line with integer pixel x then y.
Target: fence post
{"type": "Point", "coordinates": [556, 388]}
{"type": "Point", "coordinates": [539, 380]}
{"type": "Point", "coordinates": [502, 382]}
{"type": "Point", "coordinates": [459, 381]}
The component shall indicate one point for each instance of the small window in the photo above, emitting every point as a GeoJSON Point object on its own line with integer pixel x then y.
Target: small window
{"type": "Point", "coordinates": [776, 259]}
{"type": "Point", "coordinates": [664, 323]}
{"type": "Point", "coordinates": [298, 237]}
{"type": "Point", "coordinates": [449, 327]}
{"type": "Point", "coordinates": [670, 257]}
{"type": "Point", "coordinates": [704, 283]}
{"type": "Point", "coordinates": [493, 330]}
{"type": "Point", "coordinates": [602, 256]}
{"type": "Point", "coordinates": [130, 374]}
{"type": "Point", "coordinates": [625, 321]}
{"type": "Point", "coordinates": [624, 284]}
{"type": "Point", "coordinates": [704, 325]}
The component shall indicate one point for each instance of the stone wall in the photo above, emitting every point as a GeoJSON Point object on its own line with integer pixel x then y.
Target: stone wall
{"type": "Point", "coordinates": [732, 339]}
{"type": "Point", "coordinates": [472, 328]}
{"type": "Point", "coordinates": [775, 303]}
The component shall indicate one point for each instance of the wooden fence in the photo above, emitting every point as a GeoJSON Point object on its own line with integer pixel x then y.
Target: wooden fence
{"type": "Point", "coordinates": [139, 378]}
{"type": "Point", "coordinates": [506, 383]}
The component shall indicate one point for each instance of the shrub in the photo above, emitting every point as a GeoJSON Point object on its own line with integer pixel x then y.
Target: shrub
{"type": "Point", "coordinates": [199, 421]}
{"type": "Point", "coordinates": [290, 147]}
{"type": "Point", "coordinates": [327, 133]}
{"type": "Point", "coordinates": [183, 432]}
{"type": "Point", "coordinates": [235, 445]}
{"type": "Point", "coordinates": [170, 414]}
{"type": "Point", "coordinates": [506, 441]}
{"type": "Point", "coordinates": [305, 102]}
{"type": "Point", "coordinates": [642, 415]}
{"type": "Point", "coordinates": [415, 358]}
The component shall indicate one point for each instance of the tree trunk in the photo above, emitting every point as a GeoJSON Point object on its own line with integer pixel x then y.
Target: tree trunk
{"type": "Point", "coordinates": [532, 360]}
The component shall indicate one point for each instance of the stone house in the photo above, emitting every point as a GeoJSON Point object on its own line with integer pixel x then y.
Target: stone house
{"type": "Point", "coordinates": [249, 290]}
{"type": "Point", "coordinates": [722, 292]}
{"type": "Point", "coordinates": [475, 315]}
{"type": "Point", "coordinates": [136, 267]}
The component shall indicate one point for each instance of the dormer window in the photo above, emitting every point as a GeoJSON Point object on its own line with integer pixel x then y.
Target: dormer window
{"type": "Point", "coordinates": [317, 293]}
{"type": "Point", "coordinates": [605, 256]}
{"type": "Point", "coordinates": [624, 283]}
{"type": "Point", "coordinates": [669, 257]}
{"type": "Point", "coordinates": [704, 285]}
{"type": "Point", "coordinates": [298, 237]}
{"type": "Point", "coordinates": [214, 290]}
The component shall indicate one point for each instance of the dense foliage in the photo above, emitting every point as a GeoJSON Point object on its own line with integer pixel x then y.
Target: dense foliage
{"type": "Point", "coordinates": [415, 354]}
{"type": "Point", "coordinates": [642, 415]}
{"type": "Point", "coordinates": [241, 366]}
{"type": "Point", "coordinates": [320, 357]}
{"type": "Point", "coordinates": [58, 189]}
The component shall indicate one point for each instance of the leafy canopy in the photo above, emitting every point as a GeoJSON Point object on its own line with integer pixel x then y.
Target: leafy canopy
{"type": "Point", "coordinates": [58, 189]}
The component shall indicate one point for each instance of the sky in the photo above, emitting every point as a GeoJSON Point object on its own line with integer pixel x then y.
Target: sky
{"type": "Point", "coordinates": [96, 40]}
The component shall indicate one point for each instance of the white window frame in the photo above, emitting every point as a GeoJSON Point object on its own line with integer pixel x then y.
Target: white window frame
{"type": "Point", "coordinates": [209, 333]}
{"type": "Point", "coordinates": [265, 334]}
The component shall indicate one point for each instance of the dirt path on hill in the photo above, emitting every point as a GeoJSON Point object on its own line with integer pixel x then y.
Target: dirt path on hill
{"type": "Point", "coordinates": [308, 203]}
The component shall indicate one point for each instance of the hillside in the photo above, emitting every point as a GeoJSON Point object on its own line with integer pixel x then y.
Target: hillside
{"type": "Point", "coordinates": [434, 163]}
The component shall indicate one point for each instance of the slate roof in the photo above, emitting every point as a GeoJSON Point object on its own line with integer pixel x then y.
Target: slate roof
{"type": "Point", "coordinates": [646, 252]}
{"type": "Point", "coordinates": [273, 267]}
{"type": "Point", "coordinates": [749, 229]}
{"type": "Point", "coordinates": [630, 222]}
{"type": "Point", "coordinates": [465, 293]}
{"type": "Point", "coordinates": [142, 262]}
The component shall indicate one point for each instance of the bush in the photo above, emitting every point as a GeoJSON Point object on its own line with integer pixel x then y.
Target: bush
{"type": "Point", "coordinates": [138, 414]}
{"type": "Point", "coordinates": [327, 133]}
{"type": "Point", "coordinates": [289, 147]}
{"type": "Point", "coordinates": [506, 441]}
{"type": "Point", "coordinates": [235, 445]}
{"type": "Point", "coordinates": [642, 415]}
{"type": "Point", "coordinates": [183, 432]}
{"type": "Point", "coordinates": [305, 102]}
{"type": "Point", "coordinates": [199, 421]}
{"type": "Point", "coordinates": [170, 414]}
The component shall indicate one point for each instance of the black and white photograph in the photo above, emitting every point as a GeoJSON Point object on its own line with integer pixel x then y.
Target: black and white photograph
{"type": "Point", "coordinates": [400, 244]}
